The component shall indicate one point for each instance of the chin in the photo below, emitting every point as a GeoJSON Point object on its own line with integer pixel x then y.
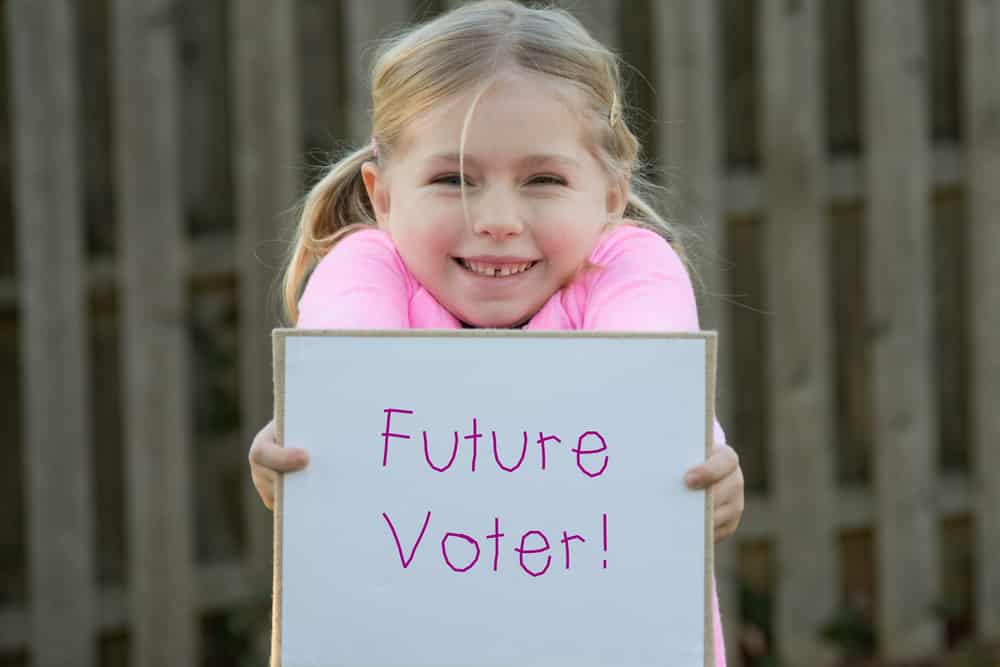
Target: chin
{"type": "Point", "coordinates": [496, 320]}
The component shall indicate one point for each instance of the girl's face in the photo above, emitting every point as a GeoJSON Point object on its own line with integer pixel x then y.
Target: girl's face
{"type": "Point", "coordinates": [537, 200]}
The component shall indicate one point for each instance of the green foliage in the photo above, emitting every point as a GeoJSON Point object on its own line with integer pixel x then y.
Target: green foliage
{"type": "Point", "coordinates": [212, 330]}
{"type": "Point", "coordinates": [756, 633]}
{"type": "Point", "coordinates": [852, 632]}
{"type": "Point", "coordinates": [238, 637]}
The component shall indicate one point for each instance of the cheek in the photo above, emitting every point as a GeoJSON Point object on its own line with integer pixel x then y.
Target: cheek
{"type": "Point", "coordinates": [573, 237]}
{"type": "Point", "coordinates": [426, 238]}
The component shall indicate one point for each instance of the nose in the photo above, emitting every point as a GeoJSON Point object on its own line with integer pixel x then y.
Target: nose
{"type": "Point", "coordinates": [497, 217]}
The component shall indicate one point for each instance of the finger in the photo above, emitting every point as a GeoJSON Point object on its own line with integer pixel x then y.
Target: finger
{"type": "Point", "coordinates": [724, 531]}
{"type": "Point", "coordinates": [723, 461]}
{"type": "Point", "coordinates": [726, 514]}
{"type": "Point", "coordinates": [726, 519]}
{"type": "Point", "coordinates": [263, 481]}
{"type": "Point", "coordinates": [279, 459]}
{"type": "Point", "coordinates": [729, 490]}
{"type": "Point", "coordinates": [265, 496]}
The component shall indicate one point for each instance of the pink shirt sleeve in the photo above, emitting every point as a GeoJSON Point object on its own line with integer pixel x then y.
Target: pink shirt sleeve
{"type": "Point", "coordinates": [360, 284]}
{"type": "Point", "coordinates": [643, 285]}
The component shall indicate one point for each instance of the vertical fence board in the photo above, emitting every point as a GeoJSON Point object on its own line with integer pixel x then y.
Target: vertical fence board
{"type": "Point", "coordinates": [727, 585]}
{"type": "Point", "coordinates": [268, 136]}
{"type": "Point", "coordinates": [982, 126]}
{"type": "Point", "coordinates": [157, 431]}
{"type": "Point", "coordinates": [687, 77]}
{"type": "Point", "coordinates": [268, 113]}
{"type": "Point", "coordinates": [206, 116]}
{"type": "Point", "coordinates": [741, 75]}
{"type": "Point", "coordinates": [321, 70]}
{"type": "Point", "coordinates": [49, 202]}
{"type": "Point", "coordinates": [799, 334]}
{"type": "Point", "coordinates": [8, 253]}
{"type": "Point", "coordinates": [841, 58]}
{"type": "Point", "coordinates": [899, 289]}
{"type": "Point", "coordinates": [93, 52]}
{"type": "Point", "coordinates": [366, 22]}
{"type": "Point", "coordinates": [687, 70]}
{"type": "Point", "coordinates": [602, 18]}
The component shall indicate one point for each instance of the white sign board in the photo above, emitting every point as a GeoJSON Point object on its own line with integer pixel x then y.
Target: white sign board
{"type": "Point", "coordinates": [493, 498]}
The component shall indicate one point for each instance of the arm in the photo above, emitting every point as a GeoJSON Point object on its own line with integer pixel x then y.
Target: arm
{"type": "Point", "coordinates": [643, 285]}
{"type": "Point", "coordinates": [360, 284]}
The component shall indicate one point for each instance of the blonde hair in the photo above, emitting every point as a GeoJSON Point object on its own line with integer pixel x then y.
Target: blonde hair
{"type": "Point", "coordinates": [424, 66]}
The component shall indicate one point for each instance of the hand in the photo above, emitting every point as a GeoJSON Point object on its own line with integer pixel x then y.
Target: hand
{"type": "Point", "coordinates": [268, 459]}
{"type": "Point", "coordinates": [721, 472]}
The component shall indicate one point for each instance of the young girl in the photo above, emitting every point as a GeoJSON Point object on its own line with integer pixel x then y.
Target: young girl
{"type": "Point", "coordinates": [498, 190]}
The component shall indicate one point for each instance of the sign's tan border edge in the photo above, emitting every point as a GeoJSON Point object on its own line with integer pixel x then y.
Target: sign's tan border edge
{"type": "Point", "coordinates": [484, 333]}
{"type": "Point", "coordinates": [710, 360]}
{"type": "Point", "coordinates": [278, 337]}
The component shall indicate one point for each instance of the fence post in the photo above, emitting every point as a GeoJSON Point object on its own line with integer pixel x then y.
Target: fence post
{"type": "Point", "coordinates": [982, 154]}
{"type": "Point", "coordinates": [48, 196]}
{"type": "Point", "coordinates": [156, 426]}
{"type": "Point", "coordinates": [322, 96]}
{"type": "Point", "coordinates": [267, 169]}
{"type": "Point", "coordinates": [797, 294]}
{"type": "Point", "coordinates": [602, 19]}
{"type": "Point", "coordinates": [687, 70]}
{"type": "Point", "coordinates": [899, 268]}
{"type": "Point", "coordinates": [366, 22]}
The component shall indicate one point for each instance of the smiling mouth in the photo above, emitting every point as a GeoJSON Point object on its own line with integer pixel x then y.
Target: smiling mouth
{"type": "Point", "coordinates": [493, 270]}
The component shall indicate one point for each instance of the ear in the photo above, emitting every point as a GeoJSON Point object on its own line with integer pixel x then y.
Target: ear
{"type": "Point", "coordinates": [377, 185]}
{"type": "Point", "coordinates": [617, 197]}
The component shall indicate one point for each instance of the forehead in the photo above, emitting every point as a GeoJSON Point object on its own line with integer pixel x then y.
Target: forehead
{"type": "Point", "coordinates": [516, 118]}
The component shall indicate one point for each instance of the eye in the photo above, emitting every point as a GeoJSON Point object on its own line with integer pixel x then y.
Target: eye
{"type": "Point", "coordinates": [449, 179]}
{"type": "Point", "coordinates": [548, 179]}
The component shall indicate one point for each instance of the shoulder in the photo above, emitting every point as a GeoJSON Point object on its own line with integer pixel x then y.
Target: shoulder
{"type": "Point", "coordinates": [360, 283]}
{"type": "Point", "coordinates": [638, 282]}
{"type": "Point", "coordinates": [631, 247]}
{"type": "Point", "coordinates": [367, 256]}
{"type": "Point", "coordinates": [367, 247]}
{"type": "Point", "coordinates": [364, 241]}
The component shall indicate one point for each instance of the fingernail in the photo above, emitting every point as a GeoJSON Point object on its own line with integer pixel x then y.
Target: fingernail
{"type": "Point", "coordinates": [690, 479]}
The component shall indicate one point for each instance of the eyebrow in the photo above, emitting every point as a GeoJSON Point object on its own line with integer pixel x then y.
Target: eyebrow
{"type": "Point", "coordinates": [538, 158]}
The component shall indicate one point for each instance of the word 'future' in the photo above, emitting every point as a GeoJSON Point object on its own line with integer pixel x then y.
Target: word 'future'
{"type": "Point", "coordinates": [591, 460]}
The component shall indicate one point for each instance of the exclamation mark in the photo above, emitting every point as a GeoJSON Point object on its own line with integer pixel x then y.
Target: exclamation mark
{"type": "Point", "coordinates": [604, 521]}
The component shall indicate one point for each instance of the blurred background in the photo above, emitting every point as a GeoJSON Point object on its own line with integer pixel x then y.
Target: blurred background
{"type": "Point", "coordinates": [835, 162]}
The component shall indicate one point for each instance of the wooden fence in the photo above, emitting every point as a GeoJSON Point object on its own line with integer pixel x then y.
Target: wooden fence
{"type": "Point", "coordinates": [842, 157]}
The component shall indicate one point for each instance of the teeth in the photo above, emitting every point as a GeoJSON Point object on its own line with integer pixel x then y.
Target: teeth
{"type": "Point", "coordinates": [495, 270]}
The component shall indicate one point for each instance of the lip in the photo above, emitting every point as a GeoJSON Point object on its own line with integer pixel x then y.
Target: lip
{"type": "Point", "coordinates": [495, 282]}
{"type": "Point", "coordinates": [497, 259]}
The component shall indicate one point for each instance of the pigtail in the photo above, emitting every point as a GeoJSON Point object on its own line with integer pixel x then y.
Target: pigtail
{"type": "Point", "coordinates": [336, 206]}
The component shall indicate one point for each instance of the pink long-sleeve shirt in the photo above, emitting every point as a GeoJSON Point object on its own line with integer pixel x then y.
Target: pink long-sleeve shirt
{"type": "Point", "coordinates": [639, 284]}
